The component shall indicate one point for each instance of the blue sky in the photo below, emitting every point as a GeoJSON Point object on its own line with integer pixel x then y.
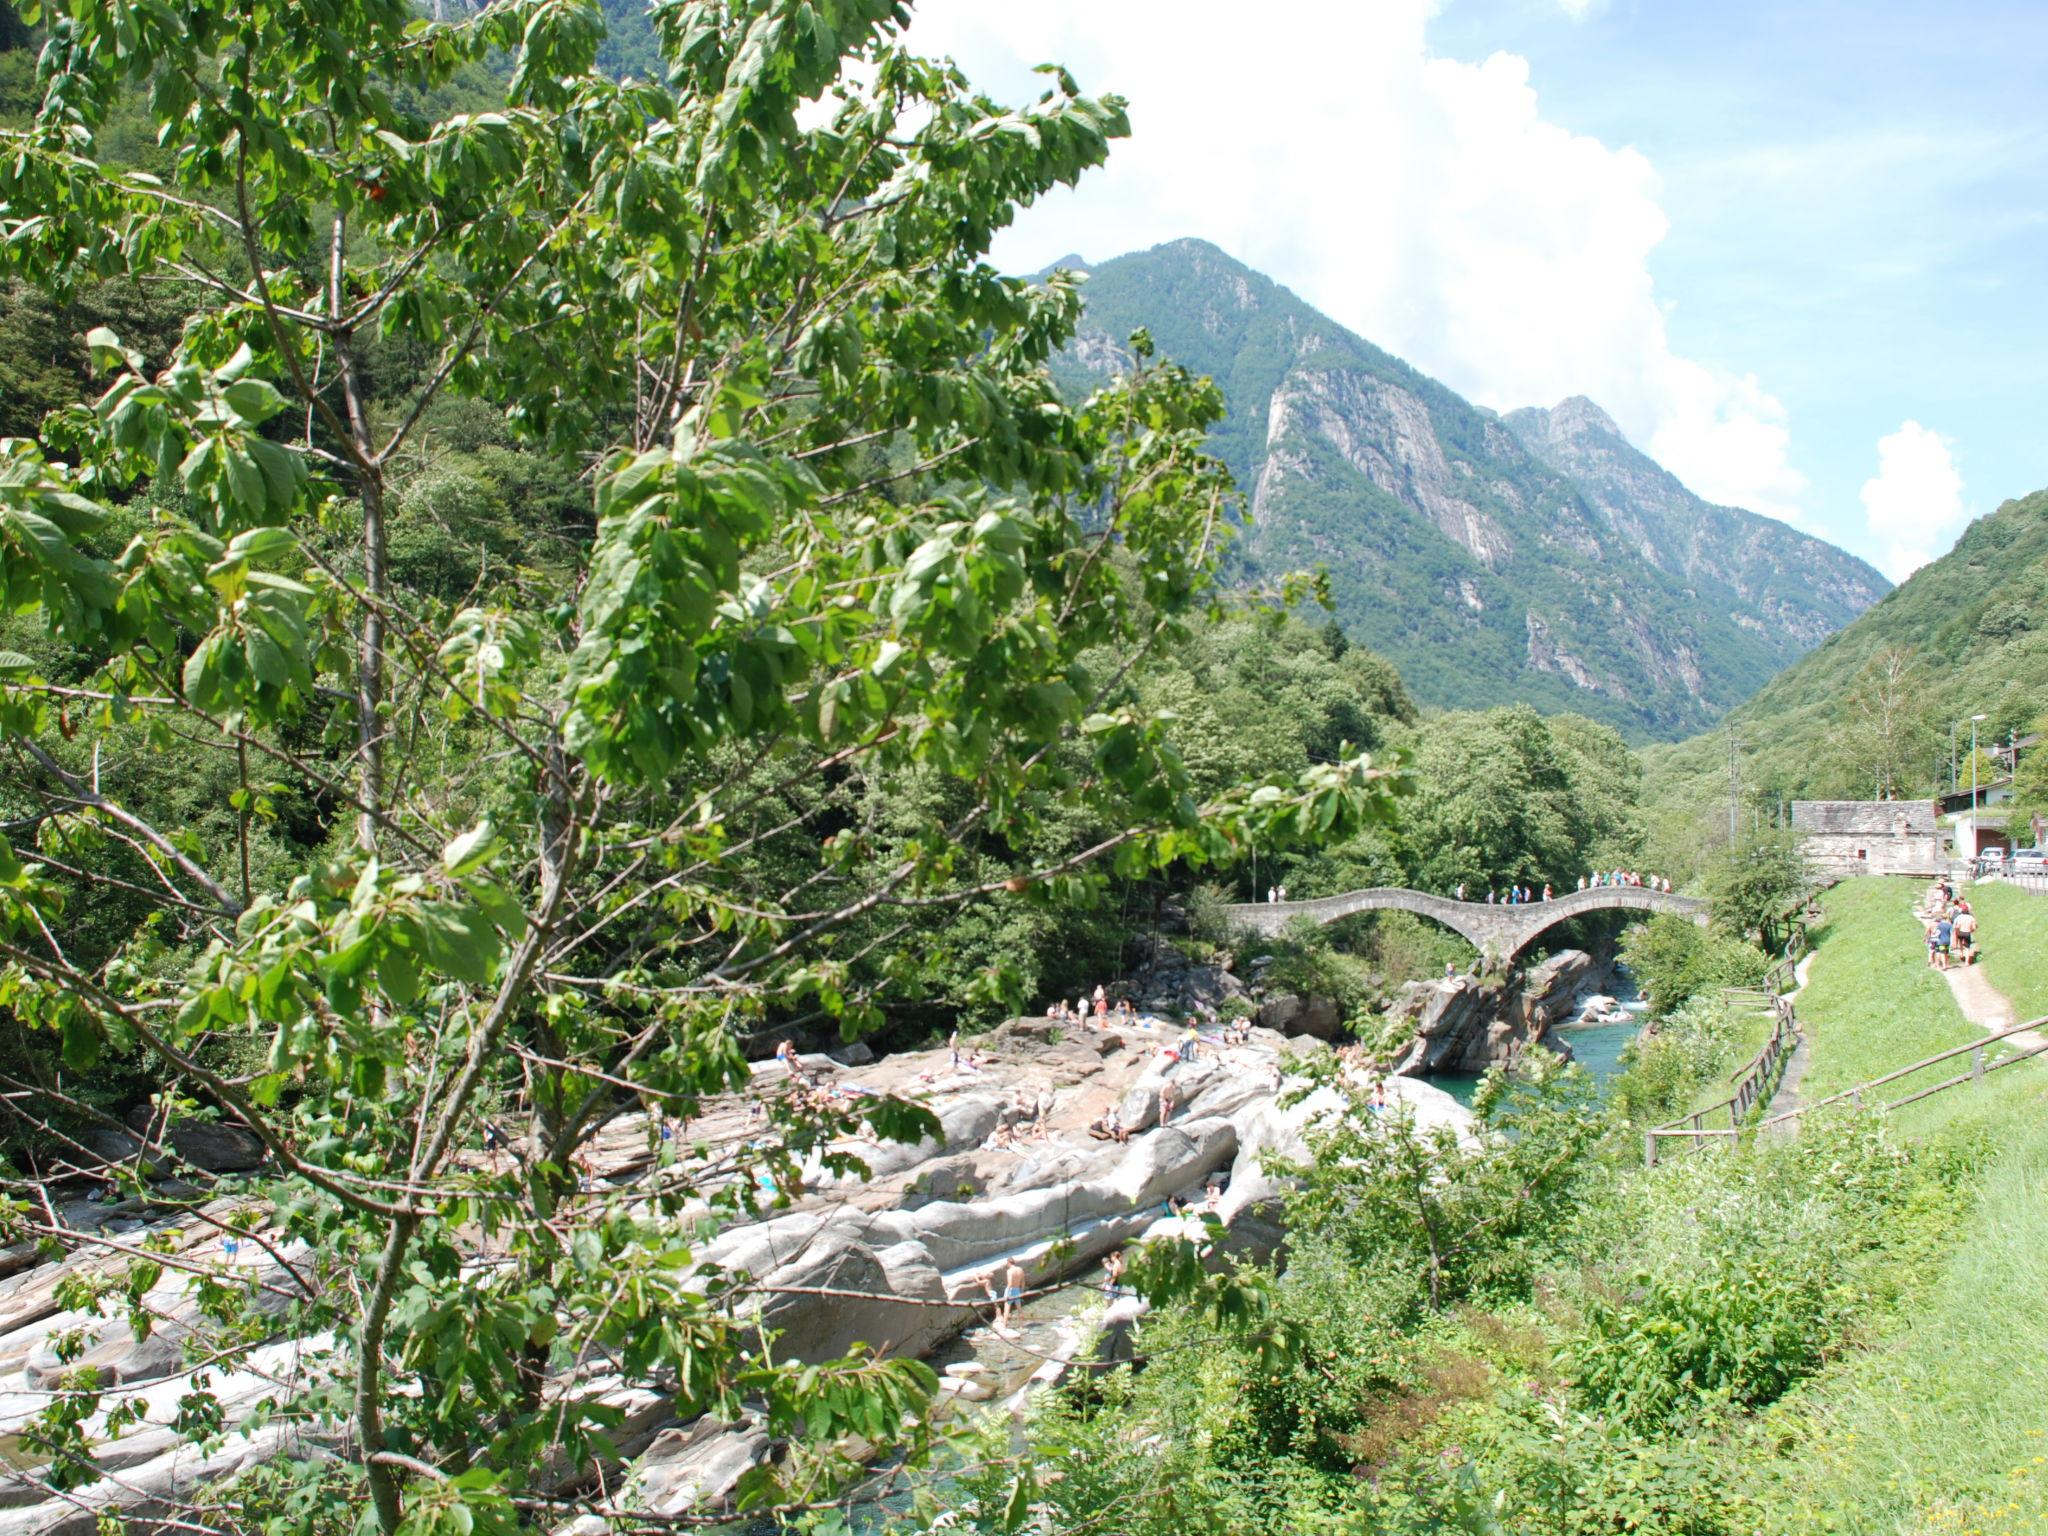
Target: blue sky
{"type": "Point", "coordinates": [1796, 249]}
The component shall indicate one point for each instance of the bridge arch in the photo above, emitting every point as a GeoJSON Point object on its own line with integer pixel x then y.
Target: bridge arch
{"type": "Point", "coordinates": [1497, 931]}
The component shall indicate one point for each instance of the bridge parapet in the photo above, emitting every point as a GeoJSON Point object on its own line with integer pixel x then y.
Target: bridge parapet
{"type": "Point", "coordinates": [1497, 931]}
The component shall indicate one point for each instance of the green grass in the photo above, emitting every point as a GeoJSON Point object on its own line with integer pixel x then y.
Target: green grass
{"type": "Point", "coordinates": [1871, 1002]}
{"type": "Point", "coordinates": [1941, 1424]}
{"type": "Point", "coordinates": [2013, 927]}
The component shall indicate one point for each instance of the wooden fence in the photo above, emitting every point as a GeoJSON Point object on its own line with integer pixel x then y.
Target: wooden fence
{"type": "Point", "coordinates": [1758, 1078]}
{"type": "Point", "coordinates": [1861, 1096]}
{"type": "Point", "coordinates": [1980, 1066]}
{"type": "Point", "coordinates": [1754, 1085]}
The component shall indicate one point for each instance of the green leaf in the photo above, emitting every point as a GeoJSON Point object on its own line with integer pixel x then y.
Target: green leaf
{"type": "Point", "coordinates": [471, 850]}
{"type": "Point", "coordinates": [254, 400]}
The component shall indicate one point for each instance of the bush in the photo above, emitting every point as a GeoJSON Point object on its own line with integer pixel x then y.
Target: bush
{"type": "Point", "coordinates": [1679, 1339]}
{"type": "Point", "coordinates": [1534, 1464]}
{"type": "Point", "coordinates": [1665, 1070]}
{"type": "Point", "coordinates": [1674, 961]}
{"type": "Point", "coordinates": [1729, 1279]}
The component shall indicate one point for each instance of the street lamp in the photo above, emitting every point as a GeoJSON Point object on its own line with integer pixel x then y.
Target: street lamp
{"type": "Point", "coordinates": [1976, 836]}
{"type": "Point", "coordinates": [1974, 721]}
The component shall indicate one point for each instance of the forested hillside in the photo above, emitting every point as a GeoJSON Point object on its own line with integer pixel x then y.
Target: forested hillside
{"type": "Point", "coordinates": [1463, 546]}
{"type": "Point", "coordinates": [1870, 711]}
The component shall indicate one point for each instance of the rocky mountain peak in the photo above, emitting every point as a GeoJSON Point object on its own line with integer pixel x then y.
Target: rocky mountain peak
{"type": "Point", "coordinates": [1536, 557]}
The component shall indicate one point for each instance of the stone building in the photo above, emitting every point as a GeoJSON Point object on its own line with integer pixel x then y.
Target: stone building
{"type": "Point", "coordinates": [1841, 838]}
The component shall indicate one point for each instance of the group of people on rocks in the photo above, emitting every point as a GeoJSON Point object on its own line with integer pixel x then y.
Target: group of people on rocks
{"type": "Point", "coordinates": [1028, 1120]}
{"type": "Point", "coordinates": [1951, 928]}
{"type": "Point", "coordinates": [1356, 1065]}
{"type": "Point", "coordinates": [1094, 1011]}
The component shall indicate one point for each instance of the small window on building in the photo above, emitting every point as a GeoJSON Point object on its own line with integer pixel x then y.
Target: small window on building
{"type": "Point", "coordinates": [1862, 853]}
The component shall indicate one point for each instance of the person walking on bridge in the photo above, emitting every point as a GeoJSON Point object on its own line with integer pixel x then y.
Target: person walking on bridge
{"type": "Point", "coordinates": [1546, 893]}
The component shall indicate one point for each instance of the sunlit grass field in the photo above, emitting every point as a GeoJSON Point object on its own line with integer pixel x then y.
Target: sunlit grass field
{"type": "Point", "coordinates": [1940, 1425]}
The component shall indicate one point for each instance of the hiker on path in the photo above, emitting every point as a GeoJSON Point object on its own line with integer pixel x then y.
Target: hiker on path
{"type": "Point", "coordinates": [1963, 935]}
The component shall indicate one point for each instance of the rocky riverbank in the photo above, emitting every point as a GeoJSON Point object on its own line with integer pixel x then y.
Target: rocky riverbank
{"type": "Point", "coordinates": [897, 1260]}
{"type": "Point", "coordinates": [1466, 1024]}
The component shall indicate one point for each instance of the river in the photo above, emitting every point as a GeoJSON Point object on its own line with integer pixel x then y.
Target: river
{"type": "Point", "coordinates": [1596, 1047]}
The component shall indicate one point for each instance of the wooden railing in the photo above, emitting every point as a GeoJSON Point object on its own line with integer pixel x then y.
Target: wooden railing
{"type": "Point", "coordinates": [1758, 1078]}
{"type": "Point", "coordinates": [1754, 1085]}
{"type": "Point", "coordinates": [1981, 1065]}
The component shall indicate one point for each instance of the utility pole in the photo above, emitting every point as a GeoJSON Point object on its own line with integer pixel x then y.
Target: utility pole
{"type": "Point", "coordinates": [1952, 756]}
{"type": "Point", "coordinates": [1734, 792]}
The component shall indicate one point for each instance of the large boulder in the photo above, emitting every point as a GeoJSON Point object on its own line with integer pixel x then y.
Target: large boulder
{"type": "Point", "coordinates": [1467, 1024]}
{"type": "Point", "coordinates": [1317, 1017]}
{"type": "Point", "coordinates": [205, 1144]}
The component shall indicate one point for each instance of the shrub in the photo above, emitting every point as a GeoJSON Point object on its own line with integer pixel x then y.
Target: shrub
{"type": "Point", "coordinates": [1674, 961]}
{"type": "Point", "coordinates": [1539, 1465]}
{"type": "Point", "coordinates": [1665, 1070]}
{"type": "Point", "coordinates": [1728, 1279]}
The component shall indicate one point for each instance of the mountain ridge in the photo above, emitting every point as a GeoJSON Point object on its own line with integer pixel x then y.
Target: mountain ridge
{"type": "Point", "coordinates": [1454, 544]}
{"type": "Point", "coordinates": [1873, 704]}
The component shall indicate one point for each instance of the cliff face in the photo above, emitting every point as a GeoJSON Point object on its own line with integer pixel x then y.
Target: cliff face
{"type": "Point", "coordinates": [1772, 576]}
{"type": "Point", "coordinates": [1536, 558]}
{"type": "Point", "coordinates": [1466, 1024]}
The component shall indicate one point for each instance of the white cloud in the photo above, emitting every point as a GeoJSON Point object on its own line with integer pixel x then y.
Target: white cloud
{"type": "Point", "coordinates": [1914, 503]}
{"type": "Point", "coordinates": [1579, 10]}
{"type": "Point", "coordinates": [1423, 201]}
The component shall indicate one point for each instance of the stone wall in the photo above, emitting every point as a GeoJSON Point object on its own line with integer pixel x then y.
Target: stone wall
{"type": "Point", "coordinates": [1844, 838]}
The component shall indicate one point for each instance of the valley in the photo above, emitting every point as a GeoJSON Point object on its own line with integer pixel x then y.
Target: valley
{"type": "Point", "coordinates": [686, 844]}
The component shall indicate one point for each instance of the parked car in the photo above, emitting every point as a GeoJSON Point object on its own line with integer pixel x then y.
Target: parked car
{"type": "Point", "coordinates": [2029, 861]}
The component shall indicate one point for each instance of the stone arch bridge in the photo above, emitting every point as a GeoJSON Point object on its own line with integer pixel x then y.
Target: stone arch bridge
{"type": "Point", "coordinates": [1498, 931]}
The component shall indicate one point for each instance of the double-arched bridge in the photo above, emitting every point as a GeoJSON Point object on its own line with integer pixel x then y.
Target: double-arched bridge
{"type": "Point", "coordinates": [1497, 930]}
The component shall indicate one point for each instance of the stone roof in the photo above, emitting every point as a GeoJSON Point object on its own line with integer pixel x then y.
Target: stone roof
{"type": "Point", "coordinates": [1865, 818]}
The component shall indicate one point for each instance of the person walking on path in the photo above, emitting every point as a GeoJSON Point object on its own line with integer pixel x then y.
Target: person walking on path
{"type": "Point", "coordinates": [1963, 935]}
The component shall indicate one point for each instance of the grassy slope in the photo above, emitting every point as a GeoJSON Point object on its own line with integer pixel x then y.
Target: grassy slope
{"type": "Point", "coordinates": [1943, 1425]}
{"type": "Point", "coordinates": [2015, 942]}
{"type": "Point", "coordinates": [1871, 1003]}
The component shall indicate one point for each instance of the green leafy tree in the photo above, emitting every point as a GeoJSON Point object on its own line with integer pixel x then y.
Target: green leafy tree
{"type": "Point", "coordinates": [2029, 790]}
{"type": "Point", "coordinates": [1397, 1196]}
{"type": "Point", "coordinates": [1756, 885]}
{"type": "Point", "coordinates": [850, 620]}
{"type": "Point", "coordinates": [1507, 797]}
{"type": "Point", "coordinates": [1885, 729]}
